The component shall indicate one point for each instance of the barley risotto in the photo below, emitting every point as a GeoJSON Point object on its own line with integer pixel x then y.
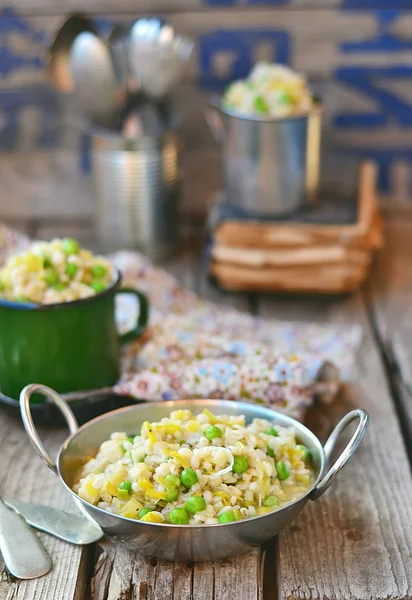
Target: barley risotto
{"type": "Point", "coordinates": [54, 272]}
{"type": "Point", "coordinates": [202, 469]}
{"type": "Point", "coordinates": [271, 90]}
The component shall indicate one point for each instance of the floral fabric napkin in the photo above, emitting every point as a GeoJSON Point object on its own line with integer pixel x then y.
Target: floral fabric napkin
{"type": "Point", "coordinates": [197, 349]}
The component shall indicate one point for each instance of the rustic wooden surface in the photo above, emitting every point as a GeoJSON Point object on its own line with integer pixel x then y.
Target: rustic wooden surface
{"type": "Point", "coordinates": [389, 296]}
{"type": "Point", "coordinates": [354, 543]}
{"type": "Point", "coordinates": [26, 478]}
{"type": "Point", "coordinates": [47, 6]}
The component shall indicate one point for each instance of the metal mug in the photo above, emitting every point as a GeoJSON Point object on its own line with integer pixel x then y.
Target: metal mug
{"type": "Point", "coordinates": [186, 542]}
{"type": "Point", "coordinates": [71, 346]}
{"type": "Point", "coordinates": [270, 165]}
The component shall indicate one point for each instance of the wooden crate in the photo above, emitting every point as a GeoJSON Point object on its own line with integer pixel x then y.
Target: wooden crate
{"type": "Point", "coordinates": [296, 256]}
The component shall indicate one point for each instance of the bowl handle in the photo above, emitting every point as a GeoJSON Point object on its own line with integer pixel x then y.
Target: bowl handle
{"type": "Point", "coordinates": [28, 419]}
{"type": "Point", "coordinates": [349, 449]}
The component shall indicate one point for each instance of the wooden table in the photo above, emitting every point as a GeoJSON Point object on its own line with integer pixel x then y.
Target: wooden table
{"type": "Point", "coordinates": [354, 543]}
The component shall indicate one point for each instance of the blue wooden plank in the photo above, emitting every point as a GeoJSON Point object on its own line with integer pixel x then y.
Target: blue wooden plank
{"type": "Point", "coordinates": [368, 81]}
{"type": "Point", "coordinates": [385, 41]}
{"type": "Point", "coordinates": [248, 2]}
{"type": "Point", "coordinates": [13, 103]}
{"type": "Point", "coordinates": [10, 60]}
{"type": "Point", "coordinates": [379, 4]}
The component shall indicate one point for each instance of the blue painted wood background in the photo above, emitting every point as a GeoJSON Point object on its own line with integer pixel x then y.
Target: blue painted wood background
{"type": "Point", "coordinates": [369, 68]}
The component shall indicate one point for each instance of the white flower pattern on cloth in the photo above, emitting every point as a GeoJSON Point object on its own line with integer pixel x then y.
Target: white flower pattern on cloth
{"type": "Point", "coordinates": [197, 349]}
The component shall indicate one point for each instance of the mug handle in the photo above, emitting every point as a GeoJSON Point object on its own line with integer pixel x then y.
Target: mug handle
{"type": "Point", "coordinates": [143, 317]}
{"type": "Point", "coordinates": [215, 123]}
{"type": "Point", "coordinates": [347, 452]}
{"type": "Point", "coordinates": [37, 388]}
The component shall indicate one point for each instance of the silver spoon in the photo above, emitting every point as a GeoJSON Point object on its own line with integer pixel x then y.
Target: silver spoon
{"type": "Point", "coordinates": [58, 67]}
{"type": "Point", "coordinates": [118, 42]}
{"type": "Point", "coordinates": [75, 529]}
{"type": "Point", "coordinates": [23, 553]}
{"type": "Point", "coordinates": [97, 89]}
{"type": "Point", "coordinates": [158, 56]}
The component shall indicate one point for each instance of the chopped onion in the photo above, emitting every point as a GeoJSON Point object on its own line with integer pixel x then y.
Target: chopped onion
{"type": "Point", "coordinates": [230, 459]}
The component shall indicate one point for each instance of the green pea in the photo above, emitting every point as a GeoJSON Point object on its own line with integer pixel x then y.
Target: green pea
{"type": "Point", "coordinates": [51, 277]}
{"type": "Point", "coordinates": [172, 494]}
{"type": "Point", "coordinates": [240, 464]}
{"type": "Point", "coordinates": [59, 286]}
{"type": "Point", "coordinates": [306, 455]}
{"type": "Point", "coordinates": [179, 516]}
{"type": "Point", "coordinates": [284, 98]}
{"type": "Point", "coordinates": [270, 452]}
{"type": "Point", "coordinates": [226, 517]}
{"type": "Point", "coordinates": [71, 270]}
{"type": "Point", "coordinates": [143, 511]}
{"type": "Point", "coordinates": [98, 286]}
{"type": "Point", "coordinates": [122, 494]}
{"type": "Point", "coordinates": [271, 501]}
{"type": "Point", "coordinates": [282, 470]}
{"type": "Point", "coordinates": [272, 431]}
{"type": "Point", "coordinates": [126, 485]}
{"type": "Point", "coordinates": [70, 246]}
{"type": "Point", "coordinates": [195, 504]}
{"type": "Point", "coordinates": [47, 262]}
{"type": "Point", "coordinates": [172, 481]}
{"type": "Point", "coordinates": [99, 271]}
{"type": "Point", "coordinates": [213, 432]}
{"type": "Point", "coordinates": [260, 105]}
{"type": "Point", "coordinates": [189, 477]}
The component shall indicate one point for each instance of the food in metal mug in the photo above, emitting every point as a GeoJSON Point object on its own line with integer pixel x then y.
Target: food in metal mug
{"type": "Point", "coordinates": [57, 319]}
{"type": "Point", "coordinates": [271, 89]}
{"type": "Point", "coordinates": [54, 272]}
{"type": "Point", "coordinates": [181, 540]}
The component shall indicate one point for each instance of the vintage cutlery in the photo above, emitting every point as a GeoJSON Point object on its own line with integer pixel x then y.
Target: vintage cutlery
{"type": "Point", "coordinates": [23, 552]}
{"type": "Point", "coordinates": [97, 89]}
{"type": "Point", "coordinates": [75, 529]}
{"type": "Point", "coordinates": [59, 52]}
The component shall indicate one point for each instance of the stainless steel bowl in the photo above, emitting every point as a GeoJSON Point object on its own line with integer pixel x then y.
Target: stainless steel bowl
{"type": "Point", "coordinates": [186, 542]}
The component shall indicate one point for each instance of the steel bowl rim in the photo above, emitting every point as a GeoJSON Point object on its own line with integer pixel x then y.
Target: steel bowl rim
{"type": "Point", "coordinates": [181, 403]}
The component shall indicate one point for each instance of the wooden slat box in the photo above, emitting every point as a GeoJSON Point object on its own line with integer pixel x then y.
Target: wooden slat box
{"type": "Point", "coordinates": [297, 256]}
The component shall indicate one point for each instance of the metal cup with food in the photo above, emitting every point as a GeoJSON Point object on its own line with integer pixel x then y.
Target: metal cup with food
{"type": "Point", "coordinates": [57, 319]}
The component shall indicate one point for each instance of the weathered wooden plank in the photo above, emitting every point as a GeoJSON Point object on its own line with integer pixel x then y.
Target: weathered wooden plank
{"type": "Point", "coordinates": [25, 477]}
{"type": "Point", "coordinates": [151, 6]}
{"type": "Point", "coordinates": [390, 295]}
{"type": "Point", "coordinates": [44, 184]}
{"type": "Point", "coordinates": [355, 542]}
{"type": "Point", "coordinates": [121, 574]}
{"type": "Point", "coordinates": [311, 41]}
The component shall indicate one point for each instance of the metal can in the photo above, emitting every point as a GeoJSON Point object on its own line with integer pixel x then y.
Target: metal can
{"type": "Point", "coordinates": [136, 187]}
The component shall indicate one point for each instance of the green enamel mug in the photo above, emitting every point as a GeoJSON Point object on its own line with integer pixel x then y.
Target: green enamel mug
{"type": "Point", "coordinates": [72, 346]}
